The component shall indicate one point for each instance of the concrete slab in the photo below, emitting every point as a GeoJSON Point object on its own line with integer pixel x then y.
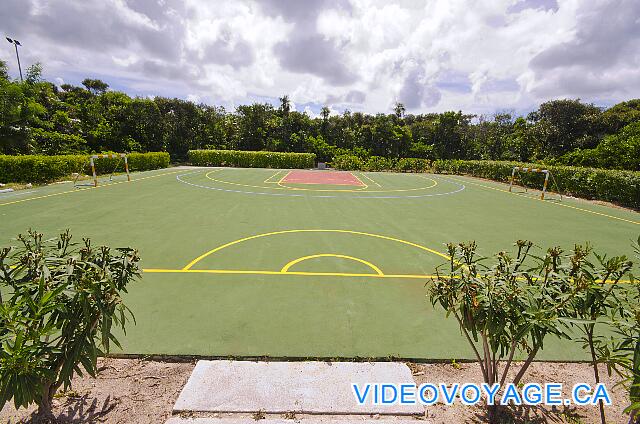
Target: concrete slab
{"type": "Point", "coordinates": [305, 420]}
{"type": "Point", "coordinates": [278, 387]}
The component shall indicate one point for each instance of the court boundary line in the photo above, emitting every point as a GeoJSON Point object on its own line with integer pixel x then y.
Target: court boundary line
{"type": "Point", "coordinates": [273, 182]}
{"type": "Point", "coordinates": [313, 274]}
{"type": "Point", "coordinates": [461, 187]}
{"type": "Point", "coordinates": [284, 187]}
{"type": "Point", "coordinates": [370, 179]}
{"type": "Point", "coordinates": [78, 190]}
{"type": "Point", "coordinates": [549, 203]}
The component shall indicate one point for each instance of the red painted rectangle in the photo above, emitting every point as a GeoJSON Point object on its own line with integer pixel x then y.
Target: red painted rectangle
{"type": "Point", "coordinates": [322, 178]}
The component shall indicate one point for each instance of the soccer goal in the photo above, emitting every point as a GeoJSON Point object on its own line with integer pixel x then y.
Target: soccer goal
{"type": "Point", "coordinates": [548, 177]}
{"type": "Point", "coordinates": [122, 163]}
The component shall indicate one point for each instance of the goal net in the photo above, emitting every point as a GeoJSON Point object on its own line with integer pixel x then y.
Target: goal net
{"type": "Point", "coordinates": [108, 164]}
{"type": "Point", "coordinates": [517, 178]}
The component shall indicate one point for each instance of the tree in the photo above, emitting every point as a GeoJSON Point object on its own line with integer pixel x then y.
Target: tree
{"type": "Point", "coordinates": [62, 303]}
{"type": "Point", "coordinates": [621, 115]}
{"type": "Point", "coordinates": [596, 295]}
{"type": "Point", "coordinates": [34, 73]}
{"type": "Point", "coordinates": [285, 105]}
{"type": "Point", "coordinates": [450, 135]}
{"type": "Point", "coordinates": [399, 110]}
{"type": "Point", "coordinates": [564, 125]}
{"type": "Point", "coordinates": [509, 306]}
{"type": "Point", "coordinates": [325, 112]}
{"type": "Point", "coordinates": [4, 75]}
{"type": "Point", "coordinates": [95, 86]}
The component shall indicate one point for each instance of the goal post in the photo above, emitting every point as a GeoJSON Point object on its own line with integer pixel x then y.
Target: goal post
{"type": "Point", "coordinates": [122, 156]}
{"type": "Point", "coordinates": [546, 172]}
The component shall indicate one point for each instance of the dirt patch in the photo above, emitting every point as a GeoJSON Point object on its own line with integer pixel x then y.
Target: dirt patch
{"type": "Point", "coordinates": [144, 391]}
{"type": "Point", "coordinates": [540, 372]}
{"type": "Point", "coordinates": [126, 391]}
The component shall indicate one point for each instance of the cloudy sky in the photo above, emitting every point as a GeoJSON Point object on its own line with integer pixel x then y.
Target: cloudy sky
{"type": "Point", "coordinates": [363, 55]}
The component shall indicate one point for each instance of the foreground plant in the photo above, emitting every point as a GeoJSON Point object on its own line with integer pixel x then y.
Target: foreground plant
{"type": "Point", "coordinates": [506, 310]}
{"type": "Point", "coordinates": [598, 299]}
{"type": "Point", "coordinates": [622, 352]}
{"type": "Point", "coordinates": [59, 306]}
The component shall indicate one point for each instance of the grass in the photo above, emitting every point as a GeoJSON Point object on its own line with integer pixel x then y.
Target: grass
{"type": "Point", "coordinates": [330, 301]}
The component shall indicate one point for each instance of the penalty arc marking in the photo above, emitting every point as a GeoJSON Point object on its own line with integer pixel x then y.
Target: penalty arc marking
{"type": "Point", "coordinates": [285, 270]}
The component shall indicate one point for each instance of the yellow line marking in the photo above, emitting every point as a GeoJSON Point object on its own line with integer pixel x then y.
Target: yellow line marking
{"type": "Point", "coordinates": [550, 203]}
{"type": "Point", "coordinates": [368, 178]}
{"type": "Point", "coordinates": [361, 182]}
{"type": "Point", "coordinates": [272, 182]}
{"type": "Point", "coordinates": [266, 272]}
{"type": "Point", "coordinates": [308, 274]}
{"type": "Point", "coordinates": [285, 176]}
{"type": "Point", "coordinates": [284, 187]}
{"type": "Point", "coordinates": [217, 249]}
{"type": "Point", "coordinates": [364, 186]}
{"type": "Point", "coordinates": [88, 188]}
{"type": "Point", "coordinates": [285, 268]}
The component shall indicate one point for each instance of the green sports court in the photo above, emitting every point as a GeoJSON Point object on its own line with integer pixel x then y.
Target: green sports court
{"type": "Point", "coordinates": [304, 263]}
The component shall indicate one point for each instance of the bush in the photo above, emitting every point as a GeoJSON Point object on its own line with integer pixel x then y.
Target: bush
{"type": "Point", "coordinates": [617, 151]}
{"type": "Point", "coordinates": [137, 162]}
{"type": "Point", "coordinates": [59, 305]}
{"type": "Point", "coordinates": [413, 165]}
{"type": "Point", "coordinates": [42, 169]}
{"type": "Point", "coordinates": [621, 187]}
{"type": "Point", "coordinates": [378, 163]}
{"type": "Point", "coordinates": [511, 305]}
{"type": "Point", "coordinates": [51, 142]}
{"type": "Point", "coordinates": [251, 159]}
{"type": "Point", "coordinates": [348, 163]}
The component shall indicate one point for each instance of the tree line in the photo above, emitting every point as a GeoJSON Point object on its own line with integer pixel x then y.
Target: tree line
{"type": "Point", "coordinates": [39, 117]}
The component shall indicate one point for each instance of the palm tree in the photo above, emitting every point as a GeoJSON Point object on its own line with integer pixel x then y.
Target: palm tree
{"type": "Point", "coordinates": [399, 110]}
{"type": "Point", "coordinates": [285, 105]}
{"type": "Point", "coordinates": [325, 112]}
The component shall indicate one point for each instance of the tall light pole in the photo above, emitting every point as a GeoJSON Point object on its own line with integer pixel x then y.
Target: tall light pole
{"type": "Point", "coordinates": [16, 43]}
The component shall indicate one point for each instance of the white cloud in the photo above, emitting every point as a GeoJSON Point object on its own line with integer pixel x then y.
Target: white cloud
{"type": "Point", "coordinates": [356, 54]}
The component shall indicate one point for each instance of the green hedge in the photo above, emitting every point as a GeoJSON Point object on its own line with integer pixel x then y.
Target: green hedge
{"type": "Point", "coordinates": [621, 187]}
{"type": "Point", "coordinates": [379, 163]}
{"type": "Point", "coordinates": [42, 169]}
{"type": "Point", "coordinates": [251, 159]}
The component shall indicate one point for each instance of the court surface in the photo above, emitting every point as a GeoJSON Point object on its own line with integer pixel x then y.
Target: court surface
{"type": "Point", "coordinates": [263, 262]}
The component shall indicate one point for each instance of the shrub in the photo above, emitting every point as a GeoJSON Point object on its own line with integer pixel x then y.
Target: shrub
{"type": "Point", "coordinates": [251, 159]}
{"type": "Point", "coordinates": [51, 142]}
{"type": "Point", "coordinates": [137, 162]}
{"type": "Point", "coordinates": [59, 305]}
{"type": "Point", "coordinates": [510, 306]}
{"type": "Point", "coordinates": [35, 168]}
{"type": "Point", "coordinates": [623, 355]}
{"type": "Point", "coordinates": [413, 165]}
{"type": "Point", "coordinates": [42, 169]}
{"type": "Point", "coordinates": [378, 163]}
{"type": "Point", "coordinates": [621, 187]}
{"type": "Point", "coordinates": [617, 151]}
{"type": "Point", "coordinates": [348, 163]}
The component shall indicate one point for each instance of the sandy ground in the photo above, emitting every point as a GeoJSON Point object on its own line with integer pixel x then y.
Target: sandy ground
{"type": "Point", "coordinates": [144, 391]}
{"type": "Point", "coordinates": [539, 372]}
{"type": "Point", "coordinates": [126, 391]}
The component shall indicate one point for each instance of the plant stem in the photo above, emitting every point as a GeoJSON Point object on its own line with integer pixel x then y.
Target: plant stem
{"type": "Point", "coordinates": [473, 346]}
{"type": "Point", "coordinates": [594, 361]}
{"type": "Point", "coordinates": [487, 359]}
{"type": "Point", "coordinates": [509, 361]}
{"type": "Point", "coordinates": [525, 366]}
